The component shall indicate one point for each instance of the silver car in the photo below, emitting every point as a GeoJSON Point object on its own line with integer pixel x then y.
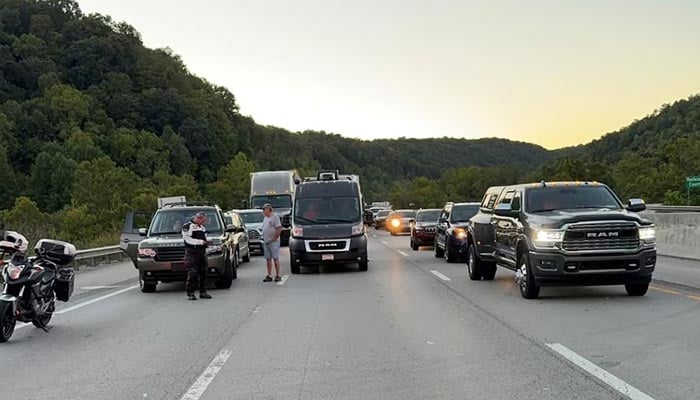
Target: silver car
{"type": "Point", "coordinates": [253, 219]}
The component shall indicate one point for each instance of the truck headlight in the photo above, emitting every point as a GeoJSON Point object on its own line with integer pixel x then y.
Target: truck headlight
{"type": "Point", "coordinates": [547, 238]}
{"type": "Point", "coordinates": [647, 234]}
{"type": "Point", "coordinates": [215, 248]}
{"type": "Point", "coordinates": [147, 253]}
{"type": "Point", "coordinates": [460, 233]}
{"type": "Point", "coordinates": [358, 229]}
{"type": "Point", "coordinates": [298, 231]}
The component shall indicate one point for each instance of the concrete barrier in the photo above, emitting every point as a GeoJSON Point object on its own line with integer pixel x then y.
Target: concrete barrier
{"type": "Point", "coordinates": [677, 234]}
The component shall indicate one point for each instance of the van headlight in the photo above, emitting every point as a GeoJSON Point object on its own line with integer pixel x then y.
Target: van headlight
{"type": "Point", "coordinates": [647, 234]}
{"type": "Point", "coordinates": [547, 237]}
{"type": "Point", "coordinates": [358, 229]}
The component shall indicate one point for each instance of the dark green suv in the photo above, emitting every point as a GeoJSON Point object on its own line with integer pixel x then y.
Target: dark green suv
{"type": "Point", "coordinates": [158, 250]}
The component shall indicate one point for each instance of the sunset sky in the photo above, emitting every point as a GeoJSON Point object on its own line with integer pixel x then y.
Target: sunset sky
{"type": "Point", "coordinates": [551, 72]}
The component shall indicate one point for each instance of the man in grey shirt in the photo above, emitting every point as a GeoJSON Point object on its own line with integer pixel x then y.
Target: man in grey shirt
{"type": "Point", "coordinates": [271, 231]}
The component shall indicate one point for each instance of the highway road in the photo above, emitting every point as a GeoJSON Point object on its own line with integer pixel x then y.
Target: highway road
{"type": "Point", "coordinates": [412, 327]}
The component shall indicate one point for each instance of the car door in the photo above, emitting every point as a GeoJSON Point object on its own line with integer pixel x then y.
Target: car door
{"type": "Point", "coordinates": [503, 230]}
{"type": "Point", "coordinates": [135, 226]}
{"type": "Point", "coordinates": [483, 230]}
{"type": "Point", "coordinates": [515, 229]}
{"type": "Point", "coordinates": [442, 227]}
{"type": "Point", "coordinates": [242, 233]}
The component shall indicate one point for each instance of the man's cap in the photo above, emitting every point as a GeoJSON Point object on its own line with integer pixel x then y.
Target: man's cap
{"type": "Point", "coordinates": [267, 205]}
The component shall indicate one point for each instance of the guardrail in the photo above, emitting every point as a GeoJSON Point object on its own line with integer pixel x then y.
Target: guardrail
{"type": "Point", "coordinates": [672, 209]}
{"type": "Point", "coordinates": [92, 256]}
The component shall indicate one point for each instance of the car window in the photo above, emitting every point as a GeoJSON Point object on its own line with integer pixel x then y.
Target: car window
{"type": "Point", "coordinates": [252, 217]}
{"type": "Point", "coordinates": [507, 198]}
{"type": "Point", "coordinates": [171, 221]}
{"type": "Point", "coordinates": [428, 216]}
{"type": "Point", "coordinates": [492, 201]}
{"type": "Point", "coordinates": [463, 213]}
{"type": "Point", "coordinates": [516, 204]}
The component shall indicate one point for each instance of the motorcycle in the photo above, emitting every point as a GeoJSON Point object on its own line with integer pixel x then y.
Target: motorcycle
{"type": "Point", "coordinates": [33, 284]}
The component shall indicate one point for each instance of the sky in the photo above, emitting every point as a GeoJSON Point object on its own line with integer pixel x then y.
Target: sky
{"type": "Point", "coordinates": [551, 72]}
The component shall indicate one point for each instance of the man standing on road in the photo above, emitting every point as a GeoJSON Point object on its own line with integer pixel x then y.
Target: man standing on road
{"type": "Point", "coordinates": [271, 231]}
{"type": "Point", "coordinates": [195, 236]}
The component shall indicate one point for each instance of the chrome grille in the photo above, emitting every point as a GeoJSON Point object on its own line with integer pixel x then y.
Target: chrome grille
{"type": "Point", "coordinates": [170, 254]}
{"type": "Point", "coordinates": [253, 234]}
{"type": "Point", "coordinates": [601, 236]}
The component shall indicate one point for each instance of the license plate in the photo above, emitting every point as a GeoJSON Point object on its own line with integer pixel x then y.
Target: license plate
{"type": "Point", "coordinates": [177, 266]}
{"type": "Point", "coordinates": [327, 257]}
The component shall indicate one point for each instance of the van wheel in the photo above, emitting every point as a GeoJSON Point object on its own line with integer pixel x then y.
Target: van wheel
{"type": "Point", "coordinates": [473, 264]}
{"type": "Point", "coordinates": [525, 279]}
{"type": "Point", "coordinates": [294, 267]}
{"type": "Point", "coordinates": [146, 286]}
{"type": "Point", "coordinates": [639, 289]}
{"type": "Point", "coordinates": [364, 265]}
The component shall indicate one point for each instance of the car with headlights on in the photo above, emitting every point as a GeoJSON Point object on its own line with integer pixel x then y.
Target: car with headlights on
{"type": "Point", "coordinates": [400, 221]}
{"type": "Point", "coordinates": [380, 219]}
{"type": "Point", "coordinates": [566, 234]}
{"type": "Point", "coordinates": [423, 228]}
{"type": "Point", "coordinates": [157, 249]}
{"type": "Point", "coordinates": [451, 230]}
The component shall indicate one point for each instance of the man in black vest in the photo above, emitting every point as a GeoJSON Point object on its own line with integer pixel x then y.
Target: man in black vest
{"type": "Point", "coordinates": [195, 236]}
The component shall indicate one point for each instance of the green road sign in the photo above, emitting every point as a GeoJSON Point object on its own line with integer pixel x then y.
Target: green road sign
{"type": "Point", "coordinates": [692, 182]}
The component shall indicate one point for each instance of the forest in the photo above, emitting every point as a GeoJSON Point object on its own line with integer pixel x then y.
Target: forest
{"type": "Point", "coordinates": [93, 124]}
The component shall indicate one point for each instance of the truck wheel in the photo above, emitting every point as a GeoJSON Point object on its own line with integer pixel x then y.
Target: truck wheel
{"type": "Point", "coordinates": [296, 268]}
{"type": "Point", "coordinates": [473, 264]}
{"type": "Point", "coordinates": [147, 286]}
{"type": "Point", "coordinates": [364, 265]}
{"type": "Point", "coordinates": [246, 257]}
{"type": "Point", "coordinates": [525, 279]}
{"type": "Point", "coordinates": [227, 278]}
{"type": "Point", "coordinates": [439, 253]}
{"type": "Point", "coordinates": [7, 321]}
{"type": "Point", "coordinates": [638, 289]}
{"type": "Point", "coordinates": [488, 271]}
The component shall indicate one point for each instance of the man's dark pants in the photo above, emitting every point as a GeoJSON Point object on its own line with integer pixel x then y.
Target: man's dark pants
{"type": "Point", "coordinates": [196, 262]}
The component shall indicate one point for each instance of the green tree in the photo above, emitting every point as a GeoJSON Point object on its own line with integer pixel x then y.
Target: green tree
{"type": "Point", "coordinates": [233, 185]}
{"type": "Point", "coordinates": [81, 146]}
{"type": "Point", "coordinates": [26, 218]}
{"type": "Point", "coordinates": [69, 107]}
{"type": "Point", "coordinates": [51, 180]}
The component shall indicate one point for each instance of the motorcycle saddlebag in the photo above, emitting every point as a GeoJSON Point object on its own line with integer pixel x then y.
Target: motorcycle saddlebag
{"type": "Point", "coordinates": [64, 284]}
{"type": "Point", "coordinates": [61, 253]}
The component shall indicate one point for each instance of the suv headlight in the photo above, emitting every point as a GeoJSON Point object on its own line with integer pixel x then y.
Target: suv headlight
{"type": "Point", "coordinates": [647, 234]}
{"type": "Point", "coordinates": [460, 233]}
{"type": "Point", "coordinates": [358, 229]}
{"type": "Point", "coordinates": [147, 253]}
{"type": "Point", "coordinates": [547, 237]}
{"type": "Point", "coordinates": [215, 248]}
{"type": "Point", "coordinates": [395, 223]}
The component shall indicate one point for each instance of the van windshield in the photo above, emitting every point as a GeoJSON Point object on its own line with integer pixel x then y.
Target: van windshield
{"type": "Point", "coordinates": [169, 222]}
{"type": "Point", "coordinates": [327, 210]}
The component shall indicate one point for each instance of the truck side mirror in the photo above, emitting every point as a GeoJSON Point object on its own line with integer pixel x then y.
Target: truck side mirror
{"type": "Point", "coordinates": [143, 231]}
{"type": "Point", "coordinates": [636, 205]}
{"type": "Point", "coordinates": [504, 210]}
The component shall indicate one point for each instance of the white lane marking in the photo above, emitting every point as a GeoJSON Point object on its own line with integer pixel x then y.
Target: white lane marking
{"type": "Point", "coordinates": [374, 236]}
{"type": "Point", "coordinates": [429, 342]}
{"type": "Point", "coordinates": [441, 276]}
{"type": "Point", "coordinates": [202, 383]}
{"type": "Point", "coordinates": [99, 287]}
{"type": "Point", "coordinates": [257, 310]}
{"type": "Point", "coordinates": [283, 281]}
{"type": "Point", "coordinates": [95, 300]}
{"type": "Point", "coordinates": [605, 376]}
{"type": "Point", "coordinates": [385, 243]}
{"type": "Point", "coordinates": [402, 253]}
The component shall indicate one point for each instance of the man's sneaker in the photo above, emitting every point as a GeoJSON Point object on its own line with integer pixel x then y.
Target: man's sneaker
{"type": "Point", "coordinates": [191, 297]}
{"type": "Point", "coordinates": [204, 295]}
{"type": "Point", "coordinates": [267, 279]}
{"type": "Point", "coordinates": [278, 278]}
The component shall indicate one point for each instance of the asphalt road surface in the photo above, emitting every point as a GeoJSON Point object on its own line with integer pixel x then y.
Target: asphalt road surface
{"type": "Point", "coordinates": [412, 327]}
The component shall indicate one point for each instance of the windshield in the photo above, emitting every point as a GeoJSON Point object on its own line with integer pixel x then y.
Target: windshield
{"type": "Point", "coordinates": [171, 221]}
{"type": "Point", "coordinates": [567, 198]}
{"type": "Point", "coordinates": [405, 214]}
{"type": "Point", "coordinates": [428, 216]}
{"type": "Point", "coordinates": [383, 213]}
{"type": "Point", "coordinates": [327, 210]}
{"type": "Point", "coordinates": [463, 213]}
{"type": "Point", "coordinates": [252, 217]}
{"type": "Point", "coordinates": [278, 201]}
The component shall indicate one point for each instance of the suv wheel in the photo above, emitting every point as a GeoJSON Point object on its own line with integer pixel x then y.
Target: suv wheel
{"type": "Point", "coordinates": [147, 286]}
{"type": "Point", "coordinates": [414, 246]}
{"type": "Point", "coordinates": [525, 279]}
{"type": "Point", "coordinates": [639, 289]}
{"type": "Point", "coordinates": [246, 257]}
{"type": "Point", "coordinates": [488, 271]}
{"type": "Point", "coordinates": [473, 264]}
{"type": "Point", "coordinates": [449, 257]}
{"type": "Point", "coordinates": [439, 253]}
{"type": "Point", "coordinates": [364, 265]}
{"type": "Point", "coordinates": [230, 273]}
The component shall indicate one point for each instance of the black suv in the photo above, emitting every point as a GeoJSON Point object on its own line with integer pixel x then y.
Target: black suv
{"type": "Point", "coordinates": [423, 228]}
{"type": "Point", "coordinates": [562, 234]}
{"type": "Point", "coordinates": [451, 230]}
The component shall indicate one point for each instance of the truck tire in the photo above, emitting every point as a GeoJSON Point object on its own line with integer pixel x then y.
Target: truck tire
{"type": "Point", "coordinates": [364, 265]}
{"type": "Point", "coordinates": [294, 267]}
{"type": "Point", "coordinates": [488, 271]}
{"type": "Point", "coordinates": [526, 281]}
{"type": "Point", "coordinates": [637, 289]}
{"type": "Point", "coordinates": [147, 286]}
{"type": "Point", "coordinates": [246, 257]}
{"type": "Point", "coordinates": [226, 280]}
{"type": "Point", "coordinates": [473, 264]}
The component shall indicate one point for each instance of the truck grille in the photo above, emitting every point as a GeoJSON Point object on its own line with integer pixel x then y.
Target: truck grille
{"type": "Point", "coordinates": [253, 234]}
{"type": "Point", "coordinates": [602, 236]}
{"type": "Point", "coordinates": [170, 254]}
{"type": "Point", "coordinates": [327, 246]}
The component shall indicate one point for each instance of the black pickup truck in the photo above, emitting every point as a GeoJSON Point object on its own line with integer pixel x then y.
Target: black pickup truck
{"type": "Point", "coordinates": [562, 234]}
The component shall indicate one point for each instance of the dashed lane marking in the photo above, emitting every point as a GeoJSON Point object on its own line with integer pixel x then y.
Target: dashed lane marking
{"type": "Point", "coordinates": [441, 276]}
{"type": "Point", "coordinates": [283, 281]}
{"type": "Point", "coordinates": [609, 379]}
{"type": "Point", "coordinates": [202, 383]}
